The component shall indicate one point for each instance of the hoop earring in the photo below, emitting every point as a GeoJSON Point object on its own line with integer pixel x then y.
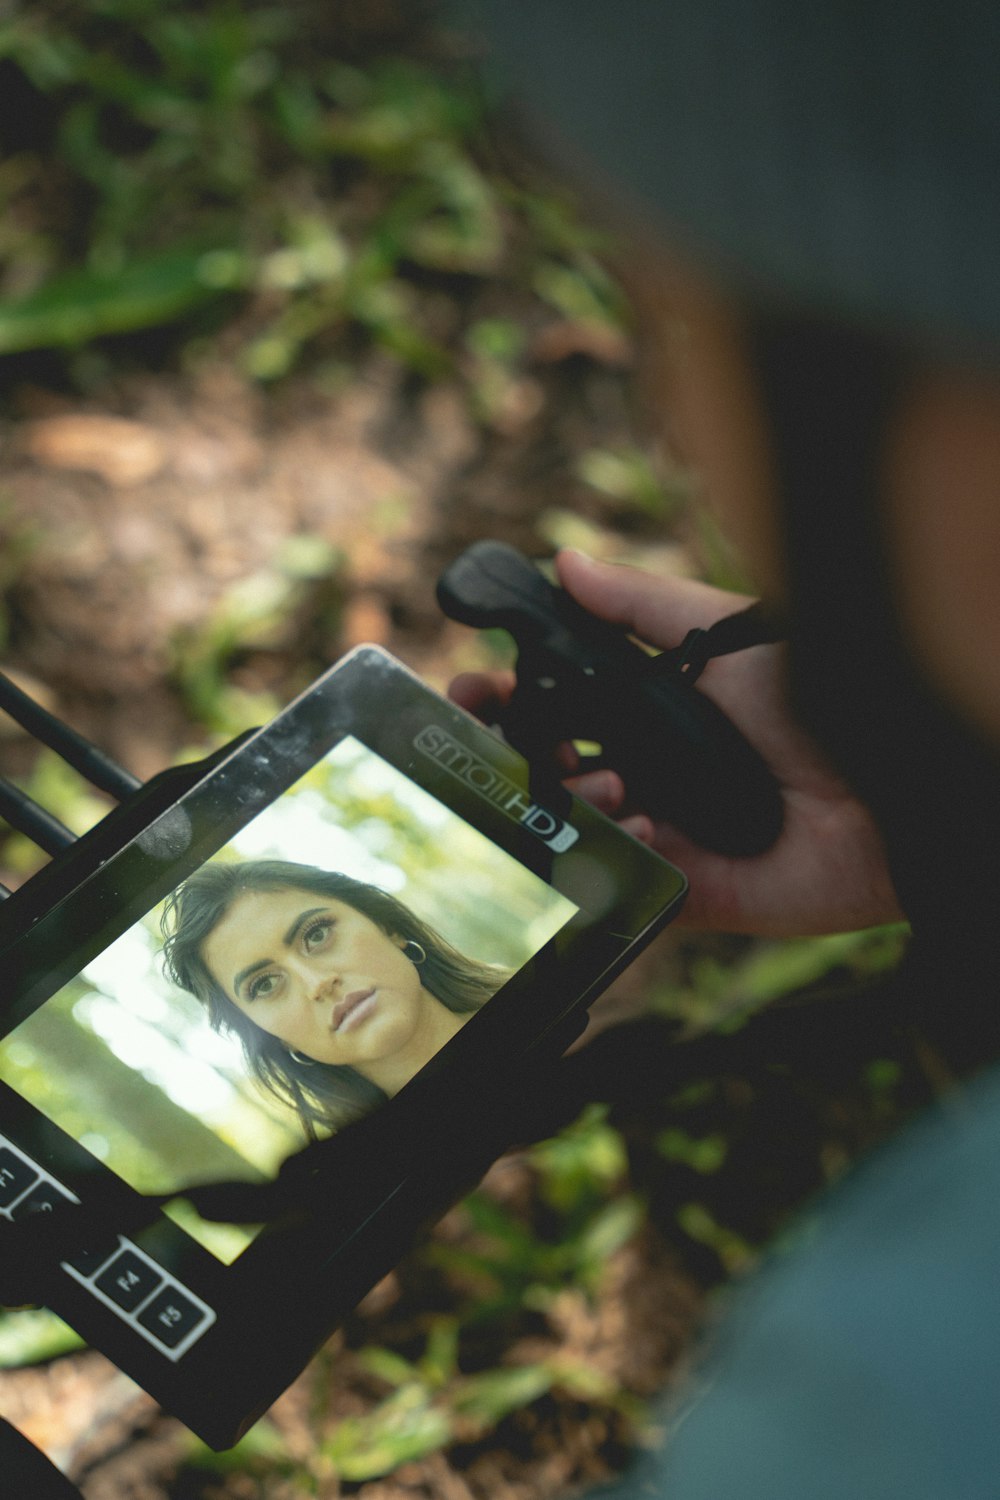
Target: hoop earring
{"type": "Point", "coordinates": [301, 1059]}
{"type": "Point", "coordinates": [414, 951]}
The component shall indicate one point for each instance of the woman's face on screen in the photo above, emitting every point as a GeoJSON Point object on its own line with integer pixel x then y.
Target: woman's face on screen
{"type": "Point", "coordinates": [318, 975]}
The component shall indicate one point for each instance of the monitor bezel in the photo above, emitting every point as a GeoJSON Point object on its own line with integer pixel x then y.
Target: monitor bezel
{"type": "Point", "coordinates": [623, 893]}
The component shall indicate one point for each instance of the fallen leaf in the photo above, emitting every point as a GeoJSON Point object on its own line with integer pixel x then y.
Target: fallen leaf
{"type": "Point", "coordinates": [122, 452]}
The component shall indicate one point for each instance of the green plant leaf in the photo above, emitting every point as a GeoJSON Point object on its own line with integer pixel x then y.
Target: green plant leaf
{"type": "Point", "coordinates": [83, 305]}
{"type": "Point", "coordinates": [34, 1336]}
{"type": "Point", "coordinates": [404, 1427]}
{"type": "Point", "coordinates": [702, 1153]}
{"type": "Point", "coordinates": [387, 1365]}
{"type": "Point", "coordinates": [609, 1230]}
{"type": "Point", "coordinates": [487, 1398]}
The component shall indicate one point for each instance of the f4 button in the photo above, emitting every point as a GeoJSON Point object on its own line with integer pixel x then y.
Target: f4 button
{"type": "Point", "coordinates": [128, 1281]}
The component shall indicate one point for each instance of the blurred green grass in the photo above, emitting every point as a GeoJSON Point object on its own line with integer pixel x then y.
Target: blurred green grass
{"type": "Point", "coordinates": [167, 164]}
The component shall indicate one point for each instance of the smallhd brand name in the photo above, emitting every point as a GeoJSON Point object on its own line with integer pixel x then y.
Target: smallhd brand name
{"type": "Point", "coordinates": [487, 783]}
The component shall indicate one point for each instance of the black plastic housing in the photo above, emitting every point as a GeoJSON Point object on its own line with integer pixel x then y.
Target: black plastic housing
{"type": "Point", "coordinates": [578, 678]}
{"type": "Point", "coordinates": [378, 1182]}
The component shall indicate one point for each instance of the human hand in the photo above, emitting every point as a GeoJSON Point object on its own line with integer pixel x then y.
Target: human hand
{"type": "Point", "coordinates": [827, 872]}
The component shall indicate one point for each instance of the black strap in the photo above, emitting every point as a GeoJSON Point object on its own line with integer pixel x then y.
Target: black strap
{"type": "Point", "coordinates": [753, 626]}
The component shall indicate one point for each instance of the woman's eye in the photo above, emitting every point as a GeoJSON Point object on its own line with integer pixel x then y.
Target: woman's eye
{"type": "Point", "coordinates": [316, 934]}
{"type": "Point", "coordinates": [262, 987]}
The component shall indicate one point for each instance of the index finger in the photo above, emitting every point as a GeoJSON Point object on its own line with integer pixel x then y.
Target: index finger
{"type": "Point", "coordinates": [657, 609]}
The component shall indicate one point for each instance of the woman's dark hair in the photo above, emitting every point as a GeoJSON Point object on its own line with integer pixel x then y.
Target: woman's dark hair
{"type": "Point", "coordinates": [323, 1094]}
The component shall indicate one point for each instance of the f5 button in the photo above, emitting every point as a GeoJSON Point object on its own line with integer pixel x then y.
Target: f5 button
{"type": "Point", "coordinates": [170, 1317]}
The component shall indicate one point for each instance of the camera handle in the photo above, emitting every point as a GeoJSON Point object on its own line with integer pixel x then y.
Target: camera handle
{"type": "Point", "coordinates": [681, 759]}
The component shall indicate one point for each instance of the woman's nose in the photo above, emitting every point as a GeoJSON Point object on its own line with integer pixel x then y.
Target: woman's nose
{"type": "Point", "coordinates": [315, 982]}
{"type": "Point", "coordinates": [320, 986]}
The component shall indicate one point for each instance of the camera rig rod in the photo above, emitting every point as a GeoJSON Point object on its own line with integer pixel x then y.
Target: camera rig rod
{"type": "Point", "coordinates": [92, 764]}
{"type": "Point", "coordinates": [23, 812]}
{"type": "Point", "coordinates": [34, 821]}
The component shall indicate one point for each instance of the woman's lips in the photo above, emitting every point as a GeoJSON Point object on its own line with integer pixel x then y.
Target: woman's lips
{"type": "Point", "coordinates": [353, 1009]}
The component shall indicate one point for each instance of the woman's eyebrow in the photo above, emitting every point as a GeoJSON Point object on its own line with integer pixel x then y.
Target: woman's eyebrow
{"type": "Point", "coordinates": [299, 923]}
{"type": "Point", "coordinates": [261, 963]}
{"type": "Point", "coordinates": [288, 939]}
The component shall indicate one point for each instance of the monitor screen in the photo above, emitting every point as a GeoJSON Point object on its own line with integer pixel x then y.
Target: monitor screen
{"type": "Point", "coordinates": [295, 981]}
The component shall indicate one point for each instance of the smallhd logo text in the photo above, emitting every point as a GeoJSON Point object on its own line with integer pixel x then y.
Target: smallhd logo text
{"type": "Point", "coordinates": [487, 783]}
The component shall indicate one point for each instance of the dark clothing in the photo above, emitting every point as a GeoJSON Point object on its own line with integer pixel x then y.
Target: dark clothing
{"type": "Point", "coordinates": [840, 159]}
{"type": "Point", "coordinates": [862, 1365]}
{"type": "Point", "coordinates": [845, 155]}
{"type": "Point", "coordinates": [933, 784]}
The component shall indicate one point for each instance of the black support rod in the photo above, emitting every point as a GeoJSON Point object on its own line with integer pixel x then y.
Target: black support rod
{"type": "Point", "coordinates": [96, 767]}
{"type": "Point", "coordinates": [31, 819]}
